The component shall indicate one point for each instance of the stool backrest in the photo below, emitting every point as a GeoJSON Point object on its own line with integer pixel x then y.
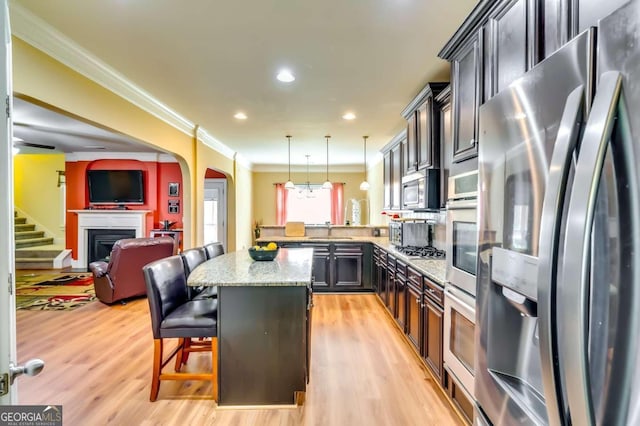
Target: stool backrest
{"type": "Point", "coordinates": [166, 288]}
{"type": "Point", "coordinates": [192, 258]}
{"type": "Point", "coordinates": [214, 250]}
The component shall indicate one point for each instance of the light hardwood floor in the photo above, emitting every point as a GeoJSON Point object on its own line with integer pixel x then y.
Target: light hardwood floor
{"type": "Point", "coordinates": [98, 366]}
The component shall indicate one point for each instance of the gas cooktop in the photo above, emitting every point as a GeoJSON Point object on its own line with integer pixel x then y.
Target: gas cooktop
{"type": "Point", "coordinates": [425, 252]}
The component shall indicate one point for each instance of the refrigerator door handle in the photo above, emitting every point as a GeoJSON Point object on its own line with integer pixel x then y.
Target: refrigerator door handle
{"type": "Point", "coordinates": [552, 207]}
{"type": "Point", "coordinates": [575, 289]}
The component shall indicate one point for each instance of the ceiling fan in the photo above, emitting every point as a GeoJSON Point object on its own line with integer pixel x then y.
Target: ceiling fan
{"type": "Point", "coordinates": [17, 142]}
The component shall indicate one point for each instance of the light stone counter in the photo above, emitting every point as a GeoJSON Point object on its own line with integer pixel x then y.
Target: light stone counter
{"type": "Point", "coordinates": [292, 267]}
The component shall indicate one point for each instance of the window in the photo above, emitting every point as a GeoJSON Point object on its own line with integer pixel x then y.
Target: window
{"type": "Point", "coordinates": [316, 207]}
{"type": "Point", "coordinates": [310, 207]}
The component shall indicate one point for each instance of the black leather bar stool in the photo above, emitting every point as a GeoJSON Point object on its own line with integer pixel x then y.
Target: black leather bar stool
{"type": "Point", "coordinates": [192, 258]}
{"type": "Point", "coordinates": [213, 250]}
{"type": "Point", "coordinates": [174, 315]}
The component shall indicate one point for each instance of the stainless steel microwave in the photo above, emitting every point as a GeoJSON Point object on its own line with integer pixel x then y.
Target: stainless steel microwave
{"type": "Point", "coordinates": [421, 190]}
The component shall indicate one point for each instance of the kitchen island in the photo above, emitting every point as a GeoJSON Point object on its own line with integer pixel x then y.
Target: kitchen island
{"type": "Point", "coordinates": [264, 325]}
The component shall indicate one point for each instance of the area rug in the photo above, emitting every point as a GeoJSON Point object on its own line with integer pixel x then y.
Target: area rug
{"type": "Point", "coordinates": [54, 291]}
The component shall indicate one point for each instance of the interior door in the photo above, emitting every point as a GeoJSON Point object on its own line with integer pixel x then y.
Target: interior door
{"type": "Point", "coordinates": [7, 261]}
{"type": "Point", "coordinates": [215, 211]}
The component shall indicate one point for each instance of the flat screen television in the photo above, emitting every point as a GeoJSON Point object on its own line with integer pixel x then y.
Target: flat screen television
{"type": "Point", "coordinates": [115, 186]}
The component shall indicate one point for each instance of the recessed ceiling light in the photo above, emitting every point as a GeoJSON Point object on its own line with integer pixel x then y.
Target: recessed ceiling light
{"type": "Point", "coordinates": [285, 76]}
{"type": "Point", "coordinates": [241, 116]}
{"type": "Point", "coordinates": [349, 116]}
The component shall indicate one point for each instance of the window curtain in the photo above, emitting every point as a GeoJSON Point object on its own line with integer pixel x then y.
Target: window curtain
{"type": "Point", "coordinates": [337, 204]}
{"type": "Point", "coordinates": [281, 204]}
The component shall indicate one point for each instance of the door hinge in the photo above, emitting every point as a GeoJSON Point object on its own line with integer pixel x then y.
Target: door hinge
{"type": "Point", "coordinates": [4, 384]}
{"type": "Point", "coordinates": [8, 102]}
{"type": "Point", "coordinates": [10, 282]}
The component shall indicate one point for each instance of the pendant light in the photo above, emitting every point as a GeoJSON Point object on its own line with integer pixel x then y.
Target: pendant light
{"type": "Point", "coordinates": [364, 186]}
{"type": "Point", "coordinates": [327, 184]}
{"type": "Point", "coordinates": [306, 190]}
{"type": "Point", "coordinates": [289, 184]}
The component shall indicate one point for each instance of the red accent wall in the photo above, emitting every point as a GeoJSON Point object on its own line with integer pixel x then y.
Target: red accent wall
{"type": "Point", "coordinates": [214, 174]}
{"type": "Point", "coordinates": [156, 192]}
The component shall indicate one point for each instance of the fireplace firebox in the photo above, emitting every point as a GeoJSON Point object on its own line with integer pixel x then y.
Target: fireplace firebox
{"type": "Point", "coordinates": [101, 241]}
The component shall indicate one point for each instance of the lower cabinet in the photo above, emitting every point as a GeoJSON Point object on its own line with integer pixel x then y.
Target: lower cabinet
{"type": "Point", "coordinates": [341, 267]}
{"type": "Point", "coordinates": [391, 285]}
{"type": "Point", "coordinates": [414, 316]}
{"type": "Point", "coordinates": [401, 294]}
{"type": "Point", "coordinates": [433, 316]}
{"type": "Point", "coordinates": [380, 283]}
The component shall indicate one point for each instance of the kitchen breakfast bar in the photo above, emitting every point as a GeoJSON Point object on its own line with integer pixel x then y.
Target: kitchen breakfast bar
{"type": "Point", "coordinates": [264, 325]}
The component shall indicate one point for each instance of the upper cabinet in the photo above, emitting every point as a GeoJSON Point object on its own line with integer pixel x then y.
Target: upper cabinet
{"type": "Point", "coordinates": [393, 154]}
{"type": "Point", "coordinates": [422, 147]}
{"type": "Point", "coordinates": [443, 106]}
{"type": "Point", "coordinates": [466, 78]}
{"type": "Point", "coordinates": [496, 44]}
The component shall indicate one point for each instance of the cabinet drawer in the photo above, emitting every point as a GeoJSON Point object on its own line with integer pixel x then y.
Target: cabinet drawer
{"type": "Point", "coordinates": [348, 248]}
{"type": "Point", "coordinates": [401, 268]}
{"type": "Point", "coordinates": [415, 278]}
{"type": "Point", "coordinates": [391, 262]}
{"type": "Point", "coordinates": [433, 291]}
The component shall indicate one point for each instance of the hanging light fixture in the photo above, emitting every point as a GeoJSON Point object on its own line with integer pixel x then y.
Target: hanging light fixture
{"type": "Point", "coordinates": [289, 184]}
{"type": "Point", "coordinates": [306, 190]}
{"type": "Point", "coordinates": [364, 186]}
{"type": "Point", "coordinates": [327, 184]}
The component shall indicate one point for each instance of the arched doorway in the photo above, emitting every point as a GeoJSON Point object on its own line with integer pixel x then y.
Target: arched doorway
{"type": "Point", "coordinates": [215, 207]}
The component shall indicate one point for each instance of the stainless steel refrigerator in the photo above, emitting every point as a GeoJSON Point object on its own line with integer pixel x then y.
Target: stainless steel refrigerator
{"type": "Point", "coordinates": [558, 289]}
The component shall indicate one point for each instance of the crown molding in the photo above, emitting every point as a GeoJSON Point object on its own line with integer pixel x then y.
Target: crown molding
{"type": "Point", "coordinates": [277, 168]}
{"type": "Point", "coordinates": [206, 138]}
{"type": "Point", "coordinates": [395, 140]}
{"type": "Point", "coordinates": [39, 34]}
{"type": "Point", "coordinates": [106, 155]}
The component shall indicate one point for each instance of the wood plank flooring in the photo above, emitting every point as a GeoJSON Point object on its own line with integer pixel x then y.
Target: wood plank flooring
{"type": "Point", "coordinates": [98, 366]}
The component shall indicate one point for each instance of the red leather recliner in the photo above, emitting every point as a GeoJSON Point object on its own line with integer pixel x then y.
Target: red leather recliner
{"type": "Point", "coordinates": [122, 277]}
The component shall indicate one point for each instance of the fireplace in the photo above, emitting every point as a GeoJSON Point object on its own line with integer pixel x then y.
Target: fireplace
{"type": "Point", "coordinates": [101, 241]}
{"type": "Point", "coordinates": [112, 222]}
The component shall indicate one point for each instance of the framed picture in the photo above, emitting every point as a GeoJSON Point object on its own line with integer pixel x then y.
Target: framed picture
{"type": "Point", "coordinates": [174, 206]}
{"type": "Point", "coordinates": [174, 189]}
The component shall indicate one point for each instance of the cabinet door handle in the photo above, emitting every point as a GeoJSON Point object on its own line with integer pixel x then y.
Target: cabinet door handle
{"type": "Point", "coordinates": [418, 301]}
{"type": "Point", "coordinates": [472, 142]}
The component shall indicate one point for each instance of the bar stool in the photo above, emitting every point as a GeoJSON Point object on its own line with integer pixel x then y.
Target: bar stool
{"type": "Point", "coordinates": [174, 315]}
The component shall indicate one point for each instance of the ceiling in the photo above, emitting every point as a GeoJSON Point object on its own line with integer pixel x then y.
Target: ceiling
{"type": "Point", "coordinates": [35, 123]}
{"type": "Point", "coordinates": [209, 60]}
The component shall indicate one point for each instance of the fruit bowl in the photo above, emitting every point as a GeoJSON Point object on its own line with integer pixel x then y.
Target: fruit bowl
{"type": "Point", "coordinates": [263, 254]}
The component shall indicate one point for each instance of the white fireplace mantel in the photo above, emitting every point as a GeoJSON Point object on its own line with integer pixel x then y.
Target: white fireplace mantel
{"type": "Point", "coordinates": [106, 219]}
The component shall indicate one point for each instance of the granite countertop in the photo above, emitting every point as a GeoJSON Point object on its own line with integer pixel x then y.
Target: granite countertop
{"type": "Point", "coordinates": [292, 267]}
{"type": "Point", "coordinates": [435, 269]}
{"type": "Point", "coordinates": [320, 239]}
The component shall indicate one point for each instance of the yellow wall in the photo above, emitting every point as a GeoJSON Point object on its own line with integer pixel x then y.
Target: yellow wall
{"type": "Point", "coordinates": [36, 190]}
{"type": "Point", "coordinates": [376, 193]}
{"type": "Point", "coordinates": [41, 77]}
{"type": "Point", "coordinates": [264, 192]}
{"type": "Point", "coordinates": [244, 219]}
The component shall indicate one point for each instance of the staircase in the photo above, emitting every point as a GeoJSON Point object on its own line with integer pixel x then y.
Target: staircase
{"type": "Point", "coordinates": [34, 250]}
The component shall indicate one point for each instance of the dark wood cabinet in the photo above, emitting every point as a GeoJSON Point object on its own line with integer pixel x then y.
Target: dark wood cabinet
{"type": "Point", "coordinates": [414, 316]}
{"type": "Point", "coordinates": [338, 267]}
{"type": "Point", "coordinates": [427, 145]}
{"type": "Point", "coordinates": [466, 94]}
{"type": "Point", "coordinates": [381, 275]}
{"type": "Point", "coordinates": [422, 147]}
{"type": "Point", "coordinates": [393, 171]}
{"type": "Point", "coordinates": [391, 284]}
{"type": "Point", "coordinates": [321, 266]}
{"type": "Point", "coordinates": [443, 103]}
{"type": "Point", "coordinates": [510, 44]}
{"type": "Point", "coordinates": [410, 152]}
{"type": "Point", "coordinates": [401, 294]}
{"type": "Point", "coordinates": [433, 320]}
{"type": "Point", "coordinates": [348, 266]}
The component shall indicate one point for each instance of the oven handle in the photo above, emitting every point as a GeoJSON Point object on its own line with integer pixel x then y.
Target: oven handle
{"type": "Point", "coordinates": [462, 204]}
{"type": "Point", "coordinates": [550, 224]}
{"type": "Point", "coordinates": [464, 307]}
